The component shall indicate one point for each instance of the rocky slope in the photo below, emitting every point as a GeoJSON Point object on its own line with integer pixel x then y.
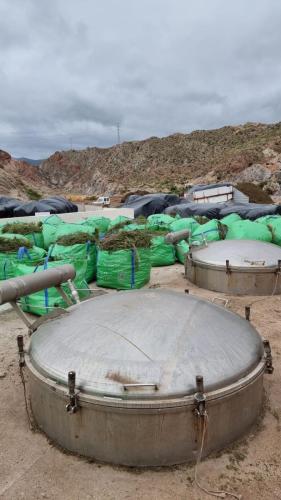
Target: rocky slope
{"type": "Point", "coordinates": [246, 153]}
{"type": "Point", "coordinates": [251, 152]}
{"type": "Point", "coordinates": [19, 179]}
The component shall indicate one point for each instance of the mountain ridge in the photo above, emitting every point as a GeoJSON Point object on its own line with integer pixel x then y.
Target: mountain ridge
{"type": "Point", "coordinates": [30, 161]}
{"type": "Point", "coordinates": [171, 162]}
{"type": "Point", "coordinates": [243, 153]}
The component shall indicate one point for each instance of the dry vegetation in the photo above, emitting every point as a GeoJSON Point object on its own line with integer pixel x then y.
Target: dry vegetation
{"type": "Point", "coordinates": [165, 164]}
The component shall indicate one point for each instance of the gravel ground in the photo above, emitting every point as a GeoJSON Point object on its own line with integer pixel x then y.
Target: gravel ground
{"type": "Point", "coordinates": [31, 468]}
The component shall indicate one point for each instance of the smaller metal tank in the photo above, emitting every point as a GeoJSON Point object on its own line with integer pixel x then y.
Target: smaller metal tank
{"type": "Point", "coordinates": [236, 267]}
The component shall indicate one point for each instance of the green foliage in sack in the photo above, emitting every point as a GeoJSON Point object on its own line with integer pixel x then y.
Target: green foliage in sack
{"type": "Point", "coordinates": [42, 302]}
{"type": "Point", "coordinates": [182, 249]}
{"type": "Point", "coordinates": [123, 269]}
{"type": "Point", "coordinates": [161, 253]}
{"type": "Point", "coordinates": [31, 230]}
{"type": "Point", "coordinates": [185, 223]}
{"type": "Point", "coordinates": [76, 248]}
{"type": "Point", "coordinates": [229, 219]}
{"type": "Point", "coordinates": [14, 250]}
{"type": "Point", "coordinates": [211, 231]}
{"type": "Point", "coordinates": [248, 230]}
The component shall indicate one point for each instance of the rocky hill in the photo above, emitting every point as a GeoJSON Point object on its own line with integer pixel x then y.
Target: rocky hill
{"type": "Point", "coordinates": [19, 179]}
{"type": "Point", "coordinates": [246, 153]}
{"type": "Point", "coordinates": [242, 154]}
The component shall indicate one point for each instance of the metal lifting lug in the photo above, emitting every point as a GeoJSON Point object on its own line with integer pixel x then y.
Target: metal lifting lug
{"type": "Point", "coordinates": [21, 350]}
{"type": "Point", "coordinates": [72, 406]}
{"type": "Point", "coordinates": [268, 357]}
{"type": "Point", "coordinates": [200, 398]}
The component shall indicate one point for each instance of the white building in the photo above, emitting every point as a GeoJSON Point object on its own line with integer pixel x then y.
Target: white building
{"type": "Point", "coordinates": [215, 193]}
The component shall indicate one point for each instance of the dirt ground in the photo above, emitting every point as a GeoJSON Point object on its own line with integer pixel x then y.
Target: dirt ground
{"type": "Point", "coordinates": [31, 468]}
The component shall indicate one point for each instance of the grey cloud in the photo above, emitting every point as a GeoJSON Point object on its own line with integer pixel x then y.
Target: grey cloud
{"type": "Point", "coordinates": [71, 70]}
{"type": "Point", "coordinates": [78, 109]}
{"type": "Point", "coordinates": [201, 98]}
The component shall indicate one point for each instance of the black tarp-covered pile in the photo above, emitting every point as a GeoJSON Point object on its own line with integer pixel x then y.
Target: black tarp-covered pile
{"type": "Point", "coordinates": [10, 207]}
{"type": "Point", "coordinates": [250, 211]}
{"type": "Point", "coordinates": [7, 206]}
{"type": "Point", "coordinates": [150, 204]}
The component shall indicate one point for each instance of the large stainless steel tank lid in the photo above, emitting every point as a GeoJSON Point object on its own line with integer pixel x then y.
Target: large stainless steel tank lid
{"type": "Point", "coordinates": [144, 337]}
{"type": "Point", "coordinates": [239, 253]}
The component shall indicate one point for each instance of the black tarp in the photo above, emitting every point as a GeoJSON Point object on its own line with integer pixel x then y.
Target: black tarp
{"type": "Point", "coordinates": [210, 210]}
{"type": "Point", "coordinates": [250, 211]}
{"type": "Point", "coordinates": [150, 204]}
{"type": "Point", "coordinates": [60, 204]}
{"type": "Point", "coordinates": [7, 206]}
{"type": "Point", "coordinates": [54, 205]}
{"type": "Point", "coordinates": [32, 207]}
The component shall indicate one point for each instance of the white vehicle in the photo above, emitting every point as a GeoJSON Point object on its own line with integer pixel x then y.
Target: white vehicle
{"type": "Point", "coordinates": [103, 201]}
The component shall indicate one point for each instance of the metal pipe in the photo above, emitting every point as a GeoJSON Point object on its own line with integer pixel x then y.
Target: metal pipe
{"type": "Point", "coordinates": [177, 236]}
{"type": "Point", "coordinates": [14, 288]}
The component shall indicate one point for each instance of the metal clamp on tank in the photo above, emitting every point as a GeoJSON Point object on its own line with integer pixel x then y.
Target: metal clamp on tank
{"type": "Point", "coordinates": [21, 350]}
{"type": "Point", "coordinates": [227, 266]}
{"type": "Point", "coordinates": [72, 406]}
{"type": "Point", "coordinates": [200, 398]}
{"type": "Point", "coordinates": [268, 357]}
{"type": "Point", "coordinates": [278, 269]}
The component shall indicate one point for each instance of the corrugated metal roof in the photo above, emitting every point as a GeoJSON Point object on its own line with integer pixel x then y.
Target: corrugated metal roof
{"type": "Point", "coordinates": [200, 187]}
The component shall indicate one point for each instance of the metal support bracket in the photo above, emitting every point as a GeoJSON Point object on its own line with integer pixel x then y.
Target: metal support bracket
{"type": "Point", "coordinates": [21, 314]}
{"type": "Point", "coordinates": [72, 406]}
{"type": "Point", "coordinates": [64, 295]}
{"type": "Point", "coordinates": [32, 326]}
{"type": "Point", "coordinates": [268, 357]}
{"type": "Point", "coordinates": [278, 269]}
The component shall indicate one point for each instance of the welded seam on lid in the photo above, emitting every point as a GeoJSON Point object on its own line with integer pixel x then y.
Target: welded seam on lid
{"type": "Point", "coordinates": [126, 339]}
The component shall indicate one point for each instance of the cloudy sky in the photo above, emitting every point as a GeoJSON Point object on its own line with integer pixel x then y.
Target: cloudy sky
{"type": "Point", "coordinates": [71, 70]}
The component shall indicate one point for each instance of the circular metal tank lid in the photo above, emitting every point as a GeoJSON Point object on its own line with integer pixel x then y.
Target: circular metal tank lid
{"type": "Point", "coordinates": [156, 337]}
{"type": "Point", "coordinates": [240, 253]}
